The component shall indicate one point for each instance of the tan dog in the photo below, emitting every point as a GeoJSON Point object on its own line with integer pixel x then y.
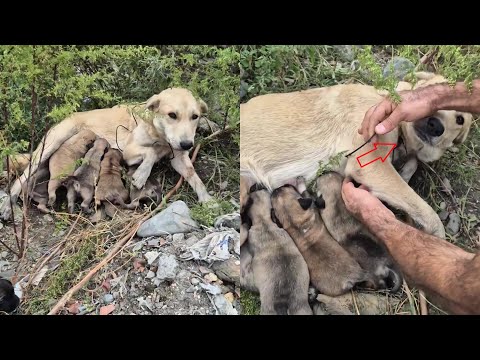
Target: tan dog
{"type": "Point", "coordinates": [286, 135]}
{"type": "Point", "coordinates": [279, 272]}
{"type": "Point", "coordinates": [332, 270]}
{"type": "Point", "coordinates": [166, 125]}
{"type": "Point", "coordinates": [372, 256]}
{"type": "Point", "coordinates": [64, 161]}
{"type": "Point", "coordinates": [85, 178]}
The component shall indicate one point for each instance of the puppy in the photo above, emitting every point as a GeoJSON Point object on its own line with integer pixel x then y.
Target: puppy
{"type": "Point", "coordinates": [279, 271]}
{"type": "Point", "coordinates": [110, 188]}
{"type": "Point", "coordinates": [8, 300]}
{"type": "Point", "coordinates": [63, 162]}
{"type": "Point", "coordinates": [372, 256]}
{"type": "Point", "coordinates": [38, 187]}
{"type": "Point", "coordinates": [85, 178]}
{"type": "Point", "coordinates": [151, 192]}
{"type": "Point", "coordinates": [333, 271]}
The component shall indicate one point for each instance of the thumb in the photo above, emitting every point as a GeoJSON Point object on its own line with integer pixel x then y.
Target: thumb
{"type": "Point", "coordinates": [388, 124]}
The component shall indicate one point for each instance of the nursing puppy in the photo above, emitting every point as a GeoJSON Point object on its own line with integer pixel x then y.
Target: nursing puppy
{"type": "Point", "coordinates": [333, 271]}
{"type": "Point", "coordinates": [279, 271]}
{"type": "Point", "coordinates": [38, 187]}
{"type": "Point", "coordinates": [317, 124]}
{"type": "Point", "coordinates": [8, 300]}
{"type": "Point", "coordinates": [151, 192]}
{"type": "Point", "coordinates": [85, 178]}
{"type": "Point", "coordinates": [353, 236]}
{"type": "Point", "coordinates": [63, 162]}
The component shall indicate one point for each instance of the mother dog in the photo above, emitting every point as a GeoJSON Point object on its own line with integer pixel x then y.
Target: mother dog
{"type": "Point", "coordinates": [176, 114]}
{"type": "Point", "coordinates": [284, 136]}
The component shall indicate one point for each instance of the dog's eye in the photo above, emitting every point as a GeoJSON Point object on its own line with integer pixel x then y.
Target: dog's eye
{"type": "Point", "coordinates": [172, 115]}
{"type": "Point", "coordinates": [460, 120]}
{"type": "Point", "coordinates": [194, 117]}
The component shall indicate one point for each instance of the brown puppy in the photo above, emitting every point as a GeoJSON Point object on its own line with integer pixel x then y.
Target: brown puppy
{"type": "Point", "coordinates": [353, 236]}
{"type": "Point", "coordinates": [85, 178]}
{"type": "Point", "coordinates": [8, 300]}
{"type": "Point", "coordinates": [63, 162]}
{"type": "Point", "coordinates": [280, 274]}
{"type": "Point", "coordinates": [110, 188]}
{"type": "Point", "coordinates": [333, 271]}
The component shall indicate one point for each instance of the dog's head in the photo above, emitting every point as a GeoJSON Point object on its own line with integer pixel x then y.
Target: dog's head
{"type": "Point", "coordinates": [291, 210]}
{"type": "Point", "coordinates": [8, 300]}
{"type": "Point", "coordinates": [430, 137]}
{"type": "Point", "coordinates": [177, 113]}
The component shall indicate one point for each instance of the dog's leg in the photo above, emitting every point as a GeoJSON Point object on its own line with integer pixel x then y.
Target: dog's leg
{"type": "Point", "coordinates": [141, 175]}
{"type": "Point", "coordinates": [87, 196]}
{"type": "Point", "coordinates": [55, 137]}
{"type": "Point", "coordinates": [53, 185]}
{"type": "Point", "coordinates": [71, 196]}
{"type": "Point", "coordinates": [183, 165]}
{"type": "Point", "coordinates": [386, 184]}
{"type": "Point", "coordinates": [408, 169]}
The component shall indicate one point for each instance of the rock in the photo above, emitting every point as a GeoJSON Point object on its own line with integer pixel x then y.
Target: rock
{"type": "Point", "coordinates": [454, 149]}
{"type": "Point", "coordinates": [223, 185]}
{"type": "Point", "coordinates": [204, 270]}
{"type": "Point", "coordinates": [191, 240]}
{"type": "Point", "coordinates": [229, 296]}
{"type": "Point", "coordinates": [108, 298]}
{"type": "Point", "coordinates": [153, 242]}
{"type": "Point", "coordinates": [167, 267]}
{"type": "Point", "coordinates": [443, 205]}
{"type": "Point", "coordinates": [3, 254]}
{"type": "Point", "coordinates": [210, 277]}
{"type": "Point", "coordinates": [174, 219]}
{"type": "Point", "coordinates": [138, 246]}
{"type": "Point", "coordinates": [211, 289]}
{"type": "Point", "coordinates": [232, 221]}
{"type": "Point", "coordinates": [443, 215]}
{"type": "Point", "coordinates": [399, 67]}
{"type": "Point", "coordinates": [157, 282]}
{"type": "Point", "coordinates": [116, 294]}
{"type": "Point", "coordinates": [194, 281]}
{"type": "Point", "coordinates": [228, 270]}
{"type": "Point", "coordinates": [207, 126]}
{"type": "Point", "coordinates": [190, 289]}
{"type": "Point", "coordinates": [454, 222]}
{"type": "Point", "coordinates": [345, 51]}
{"type": "Point", "coordinates": [178, 237]}
{"type": "Point", "coordinates": [224, 307]}
{"type": "Point", "coordinates": [150, 275]}
{"type": "Point", "coordinates": [47, 217]}
{"type": "Point", "coordinates": [151, 256]}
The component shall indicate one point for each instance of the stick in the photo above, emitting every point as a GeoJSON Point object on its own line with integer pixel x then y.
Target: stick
{"type": "Point", "coordinates": [111, 254]}
{"type": "Point", "coordinates": [423, 303]}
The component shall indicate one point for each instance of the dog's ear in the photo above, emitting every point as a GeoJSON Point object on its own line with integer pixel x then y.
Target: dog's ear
{"type": "Point", "coordinates": [203, 106]}
{"type": "Point", "coordinates": [320, 202]}
{"type": "Point", "coordinates": [275, 219]}
{"type": "Point", "coordinates": [305, 203]}
{"type": "Point", "coordinates": [153, 103]}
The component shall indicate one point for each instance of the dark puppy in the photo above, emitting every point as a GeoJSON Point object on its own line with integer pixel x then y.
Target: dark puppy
{"type": "Point", "coordinates": [151, 192]}
{"type": "Point", "coordinates": [333, 271]}
{"type": "Point", "coordinates": [8, 300]}
{"type": "Point", "coordinates": [280, 274]}
{"type": "Point", "coordinates": [38, 187]}
{"type": "Point", "coordinates": [85, 178]}
{"type": "Point", "coordinates": [354, 237]}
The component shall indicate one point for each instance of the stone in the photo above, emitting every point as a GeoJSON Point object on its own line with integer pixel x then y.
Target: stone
{"type": "Point", "coordinates": [174, 219]}
{"type": "Point", "coordinates": [399, 67]}
{"type": "Point", "coordinates": [454, 222]}
{"type": "Point", "coordinates": [151, 256]}
{"type": "Point", "coordinates": [167, 267]}
{"type": "Point", "coordinates": [108, 298]}
{"type": "Point", "coordinates": [228, 270]}
{"type": "Point", "coordinates": [194, 281]}
{"type": "Point", "coordinates": [443, 215]}
{"type": "Point", "coordinates": [178, 237]}
{"type": "Point", "coordinates": [443, 205]}
{"type": "Point", "coordinates": [232, 221]}
{"type": "Point", "coordinates": [150, 275]}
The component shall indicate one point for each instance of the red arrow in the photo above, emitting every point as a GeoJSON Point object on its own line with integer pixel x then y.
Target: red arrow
{"type": "Point", "coordinates": [375, 145]}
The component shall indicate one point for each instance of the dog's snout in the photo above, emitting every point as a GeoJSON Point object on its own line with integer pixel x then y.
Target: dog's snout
{"type": "Point", "coordinates": [434, 127]}
{"type": "Point", "coordinates": [186, 145]}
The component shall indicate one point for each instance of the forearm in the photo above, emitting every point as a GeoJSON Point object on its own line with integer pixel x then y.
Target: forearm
{"type": "Point", "coordinates": [459, 97]}
{"type": "Point", "coordinates": [430, 262]}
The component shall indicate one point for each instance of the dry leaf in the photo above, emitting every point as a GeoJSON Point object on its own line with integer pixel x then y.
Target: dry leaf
{"type": "Point", "coordinates": [74, 308]}
{"type": "Point", "coordinates": [106, 285]}
{"type": "Point", "coordinates": [105, 310]}
{"type": "Point", "coordinates": [139, 264]}
{"type": "Point", "coordinates": [210, 277]}
{"type": "Point", "coordinates": [229, 296]}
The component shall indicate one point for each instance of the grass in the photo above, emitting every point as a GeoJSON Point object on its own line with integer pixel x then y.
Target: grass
{"type": "Point", "coordinates": [268, 69]}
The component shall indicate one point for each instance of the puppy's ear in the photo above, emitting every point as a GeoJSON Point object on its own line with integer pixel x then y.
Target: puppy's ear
{"type": "Point", "coordinates": [320, 202]}
{"type": "Point", "coordinates": [153, 103]}
{"type": "Point", "coordinates": [305, 203]}
{"type": "Point", "coordinates": [203, 106]}
{"type": "Point", "coordinates": [275, 219]}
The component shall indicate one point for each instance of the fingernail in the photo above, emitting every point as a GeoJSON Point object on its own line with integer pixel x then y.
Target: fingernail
{"type": "Point", "coordinates": [380, 129]}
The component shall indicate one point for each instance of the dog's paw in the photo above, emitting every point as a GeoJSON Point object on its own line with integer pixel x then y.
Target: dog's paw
{"type": "Point", "coordinates": [139, 180]}
{"type": "Point", "coordinates": [5, 208]}
{"type": "Point", "coordinates": [207, 199]}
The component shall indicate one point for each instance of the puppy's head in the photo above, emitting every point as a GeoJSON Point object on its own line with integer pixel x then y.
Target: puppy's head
{"type": "Point", "coordinates": [258, 206]}
{"type": "Point", "coordinates": [431, 136]}
{"type": "Point", "coordinates": [8, 300]}
{"type": "Point", "coordinates": [177, 113]}
{"type": "Point", "coordinates": [87, 138]}
{"type": "Point", "coordinates": [290, 209]}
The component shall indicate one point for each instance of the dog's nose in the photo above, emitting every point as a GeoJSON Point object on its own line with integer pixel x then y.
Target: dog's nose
{"type": "Point", "coordinates": [186, 145]}
{"type": "Point", "coordinates": [435, 127]}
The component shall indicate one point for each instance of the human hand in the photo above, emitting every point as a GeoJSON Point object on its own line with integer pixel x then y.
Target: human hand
{"type": "Point", "coordinates": [386, 115]}
{"type": "Point", "coordinates": [362, 204]}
